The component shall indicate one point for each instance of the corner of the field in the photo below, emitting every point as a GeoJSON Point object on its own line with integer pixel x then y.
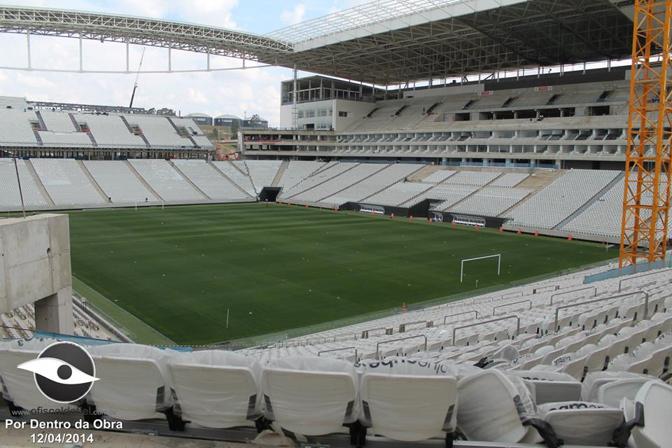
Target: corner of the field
{"type": "Point", "coordinates": [130, 325]}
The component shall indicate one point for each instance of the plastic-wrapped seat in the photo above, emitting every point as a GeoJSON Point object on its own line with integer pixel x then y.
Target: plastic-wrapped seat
{"type": "Point", "coordinates": [593, 381]}
{"type": "Point", "coordinates": [134, 382]}
{"type": "Point", "coordinates": [549, 386]}
{"type": "Point", "coordinates": [661, 358]}
{"type": "Point", "coordinates": [408, 400]}
{"type": "Point", "coordinates": [574, 367]}
{"type": "Point", "coordinates": [18, 385]}
{"type": "Point", "coordinates": [492, 408]}
{"type": "Point", "coordinates": [655, 399]}
{"type": "Point", "coordinates": [310, 395]}
{"type": "Point", "coordinates": [597, 358]}
{"type": "Point", "coordinates": [215, 388]}
{"type": "Point", "coordinates": [613, 392]}
{"type": "Point", "coordinates": [582, 423]}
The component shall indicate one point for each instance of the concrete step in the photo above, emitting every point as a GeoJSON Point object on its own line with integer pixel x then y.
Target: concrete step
{"type": "Point", "coordinates": [185, 177]}
{"type": "Point", "coordinates": [279, 174]}
{"type": "Point", "coordinates": [93, 181]}
{"type": "Point", "coordinates": [38, 182]}
{"type": "Point", "coordinates": [143, 181]}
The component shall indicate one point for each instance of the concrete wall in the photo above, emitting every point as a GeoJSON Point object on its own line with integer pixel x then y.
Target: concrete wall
{"type": "Point", "coordinates": [35, 268]}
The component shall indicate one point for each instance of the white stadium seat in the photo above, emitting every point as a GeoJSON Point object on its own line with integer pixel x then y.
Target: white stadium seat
{"type": "Point", "coordinates": [134, 382]}
{"type": "Point", "coordinates": [408, 403]}
{"type": "Point", "coordinates": [656, 400]}
{"type": "Point", "coordinates": [549, 386]}
{"type": "Point", "coordinates": [582, 423]}
{"type": "Point", "coordinates": [490, 408]}
{"type": "Point", "coordinates": [310, 396]}
{"type": "Point", "coordinates": [216, 389]}
{"type": "Point", "coordinates": [613, 392]}
{"type": "Point", "coordinates": [18, 385]}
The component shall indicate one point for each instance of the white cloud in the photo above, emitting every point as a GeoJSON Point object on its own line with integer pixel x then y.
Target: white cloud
{"type": "Point", "coordinates": [294, 15]}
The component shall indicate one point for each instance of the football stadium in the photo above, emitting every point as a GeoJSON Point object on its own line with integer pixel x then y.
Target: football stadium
{"type": "Point", "coordinates": [455, 233]}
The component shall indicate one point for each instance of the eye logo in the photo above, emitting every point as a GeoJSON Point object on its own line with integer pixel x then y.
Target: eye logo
{"type": "Point", "coordinates": [64, 372]}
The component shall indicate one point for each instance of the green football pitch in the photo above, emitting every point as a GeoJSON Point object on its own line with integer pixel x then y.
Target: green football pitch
{"type": "Point", "coordinates": [271, 268]}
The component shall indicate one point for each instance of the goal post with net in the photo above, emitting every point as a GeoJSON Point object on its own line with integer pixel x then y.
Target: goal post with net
{"type": "Point", "coordinates": [466, 260]}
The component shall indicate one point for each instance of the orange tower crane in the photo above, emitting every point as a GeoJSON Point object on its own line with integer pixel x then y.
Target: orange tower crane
{"type": "Point", "coordinates": [648, 167]}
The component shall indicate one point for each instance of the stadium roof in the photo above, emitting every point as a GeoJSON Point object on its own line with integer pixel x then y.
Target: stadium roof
{"type": "Point", "coordinates": [383, 42]}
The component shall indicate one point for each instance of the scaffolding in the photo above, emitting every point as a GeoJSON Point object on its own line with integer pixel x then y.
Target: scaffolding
{"type": "Point", "coordinates": [646, 199]}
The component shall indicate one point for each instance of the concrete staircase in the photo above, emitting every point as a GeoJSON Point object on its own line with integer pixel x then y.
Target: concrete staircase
{"type": "Point", "coordinates": [182, 133]}
{"type": "Point", "coordinates": [130, 129]}
{"type": "Point", "coordinates": [354, 183]}
{"type": "Point", "coordinates": [93, 181]}
{"type": "Point", "coordinates": [223, 174]}
{"type": "Point", "coordinates": [279, 174]}
{"type": "Point", "coordinates": [186, 178]}
{"type": "Point", "coordinates": [143, 181]}
{"type": "Point", "coordinates": [473, 193]}
{"type": "Point", "coordinates": [591, 201]}
{"type": "Point", "coordinates": [325, 180]}
{"type": "Point", "coordinates": [393, 183]}
{"type": "Point", "coordinates": [38, 182]}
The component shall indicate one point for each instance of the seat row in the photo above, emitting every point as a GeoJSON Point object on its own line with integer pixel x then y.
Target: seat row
{"type": "Point", "coordinates": [398, 398]}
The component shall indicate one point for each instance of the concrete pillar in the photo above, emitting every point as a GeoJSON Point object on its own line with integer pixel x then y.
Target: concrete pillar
{"type": "Point", "coordinates": [54, 313]}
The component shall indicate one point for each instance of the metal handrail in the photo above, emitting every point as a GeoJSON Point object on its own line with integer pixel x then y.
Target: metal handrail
{"type": "Point", "coordinates": [459, 314]}
{"type": "Point", "coordinates": [594, 288]}
{"type": "Point", "coordinates": [517, 294]}
{"type": "Point", "coordinates": [644, 274]}
{"type": "Point", "coordinates": [404, 324]}
{"type": "Point", "coordinates": [603, 299]}
{"type": "Point", "coordinates": [512, 303]}
{"type": "Point", "coordinates": [400, 339]}
{"type": "Point", "coordinates": [513, 316]}
{"type": "Point", "coordinates": [340, 350]}
{"type": "Point", "coordinates": [368, 330]}
{"type": "Point", "coordinates": [536, 290]}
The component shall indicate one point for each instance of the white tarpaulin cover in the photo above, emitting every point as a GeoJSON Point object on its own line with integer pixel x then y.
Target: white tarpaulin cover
{"type": "Point", "coordinates": [310, 396]}
{"type": "Point", "coordinates": [215, 388]}
{"type": "Point", "coordinates": [490, 408]}
{"type": "Point", "coordinates": [582, 423]}
{"type": "Point", "coordinates": [613, 392]}
{"type": "Point", "coordinates": [134, 382]}
{"type": "Point", "coordinates": [656, 398]}
{"type": "Point", "coordinates": [18, 384]}
{"type": "Point", "coordinates": [547, 386]}
{"type": "Point", "coordinates": [594, 380]}
{"type": "Point", "coordinates": [408, 407]}
{"type": "Point", "coordinates": [400, 365]}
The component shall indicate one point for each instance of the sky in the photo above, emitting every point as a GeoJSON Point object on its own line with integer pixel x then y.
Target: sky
{"type": "Point", "coordinates": [238, 92]}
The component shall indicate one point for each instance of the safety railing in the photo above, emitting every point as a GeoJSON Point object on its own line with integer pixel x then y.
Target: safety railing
{"type": "Point", "coordinates": [399, 339]}
{"type": "Point", "coordinates": [340, 350]}
{"type": "Point", "coordinates": [365, 333]}
{"type": "Point", "coordinates": [594, 288]}
{"type": "Point", "coordinates": [488, 322]}
{"type": "Point", "coordinates": [635, 277]}
{"type": "Point", "coordinates": [402, 327]}
{"type": "Point", "coordinates": [602, 299]}
{"type": "Point", "coordinates": [513, 295]}
{"type": "Point", "coordinates": [494, 308]}
{"type": "Point", "coordinates": [541, 288]}
{"type": "Point", "coordinates": [459, 314]}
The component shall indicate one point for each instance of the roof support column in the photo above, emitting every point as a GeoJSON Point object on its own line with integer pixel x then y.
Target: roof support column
{"type": "Point", "coordinates": [295, 112]}
{"type": "Point", "coordinates": [30, 64]}
{"type": "Point", "coordinates": [81, 55]}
